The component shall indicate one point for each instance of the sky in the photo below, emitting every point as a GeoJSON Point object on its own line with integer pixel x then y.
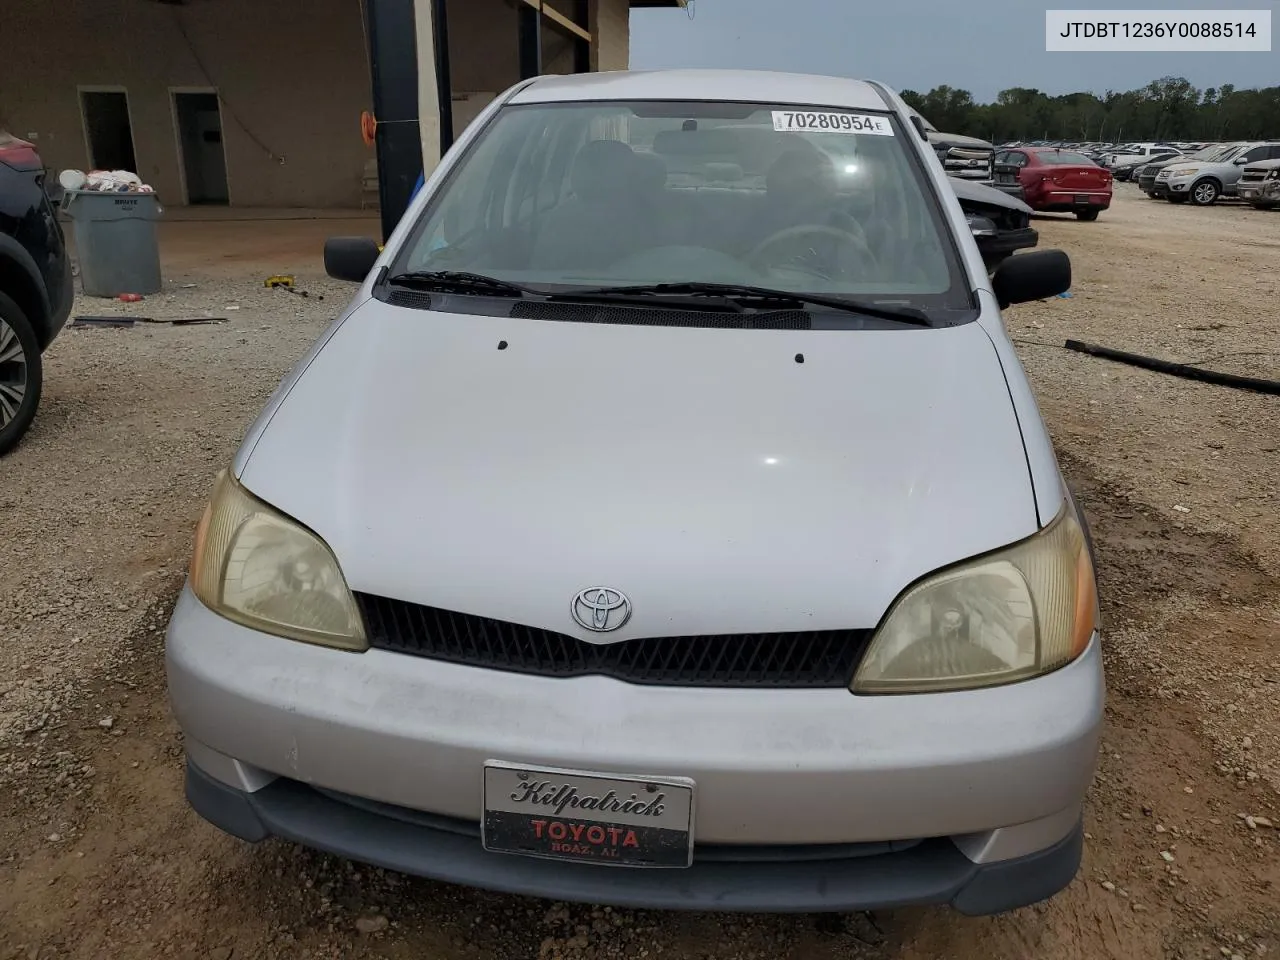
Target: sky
{"type": "Point", "coordinates": [982, 46]}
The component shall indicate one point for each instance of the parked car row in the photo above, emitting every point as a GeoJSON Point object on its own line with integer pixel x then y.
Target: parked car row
{"type": "Point", "coordinates": [1117, 155]}
{"type": "Point", "coordinates": [1218, 171]}
{"type": "Point", "coordinates": [1198, 173]}
{"type": "Point", "coordinates": [1126, 166]}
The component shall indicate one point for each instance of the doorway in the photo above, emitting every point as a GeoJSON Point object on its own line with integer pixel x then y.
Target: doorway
{"type": "Point", "coordinates": [107, 130]}
{"type": "Point", "coordinates": [198, 120]}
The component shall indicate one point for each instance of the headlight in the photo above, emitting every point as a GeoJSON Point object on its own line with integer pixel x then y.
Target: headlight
{"type": "Point", "coordinates": [981, 226]}
{"type": "Point", "coordinates": [1273, 175]}
{"type": "Point", "coordinates": [257, 567]}
{"type": "Point", "coordinates": [1184, 171]}
{"type": "Point", "coordinates": [1014, 614]}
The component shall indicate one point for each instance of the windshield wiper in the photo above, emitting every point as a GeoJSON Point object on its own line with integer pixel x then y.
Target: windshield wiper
{"type": "Point", "coordinates": [742, 293]}
{"type": "Point", "coordinates": [454, 281]}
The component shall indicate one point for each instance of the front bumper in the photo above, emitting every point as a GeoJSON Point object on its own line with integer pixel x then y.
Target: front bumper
{"type": "Point", "coordinates": [275, 727]}
{"type": "Point", "coordinates": [1267, 191]}
{"type": "Point", "coordinates": [807, 880]}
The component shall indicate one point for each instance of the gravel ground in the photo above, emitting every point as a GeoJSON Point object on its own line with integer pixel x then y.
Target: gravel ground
{"type": "Point", "coordinates": [99, 856]}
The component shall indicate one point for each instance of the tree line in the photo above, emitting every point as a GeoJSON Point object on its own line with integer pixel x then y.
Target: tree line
{"type": "Point", "coordinates": [1166, 109]}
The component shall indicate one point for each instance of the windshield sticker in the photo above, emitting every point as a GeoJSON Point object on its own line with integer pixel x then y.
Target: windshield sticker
{"type": "Point", "coordinates": [798, 121]}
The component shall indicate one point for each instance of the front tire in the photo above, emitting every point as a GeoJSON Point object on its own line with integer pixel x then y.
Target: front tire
{"type": "Point", "coordinates": [1087, 215]}
{"type": "Point", "coordinates": [1205, 193]}
{"type": "Point", "coordinates": [20, 374]}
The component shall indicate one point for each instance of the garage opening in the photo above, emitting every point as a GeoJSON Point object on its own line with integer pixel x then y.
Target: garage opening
{"type": "Point", "coordinates": [204, 163]}
{"type": "Point", "coordinates": [107, 130]}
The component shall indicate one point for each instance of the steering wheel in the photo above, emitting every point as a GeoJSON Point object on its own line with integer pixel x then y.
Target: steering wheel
{"type": "Point", "coordinates": [789, 236]}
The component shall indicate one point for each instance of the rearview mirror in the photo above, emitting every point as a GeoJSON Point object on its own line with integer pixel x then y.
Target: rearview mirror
{"type": "Point", "coordinates": [1032, 276]}
{"type": "Point", "coordinates": [350, 258]}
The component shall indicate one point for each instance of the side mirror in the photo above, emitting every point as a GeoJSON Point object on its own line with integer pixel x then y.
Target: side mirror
{"type": "Point", "coordinates": [919, 125]}
{"type": "Point", "coordinates": [1032, 276]}
{"type": "Point", "coordinates": [1239, 161]}
{"type": "Point", "coordinates": [350, 258]}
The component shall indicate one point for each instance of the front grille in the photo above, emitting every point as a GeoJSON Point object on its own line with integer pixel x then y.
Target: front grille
{"type": "Point", "coordinates": [815, 658]}
{"type": "Point", "coordinates": [969, 162]}
{"type": "Point", "coordinates": [1250, 175]}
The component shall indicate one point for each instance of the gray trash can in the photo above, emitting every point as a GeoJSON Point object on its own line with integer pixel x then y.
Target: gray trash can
{"type": "Point", "coordinates": [115, 241]}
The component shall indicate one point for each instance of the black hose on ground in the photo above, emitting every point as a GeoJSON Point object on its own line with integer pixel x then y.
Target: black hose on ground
{"type": "Point", "coordinates": [1177, 369]}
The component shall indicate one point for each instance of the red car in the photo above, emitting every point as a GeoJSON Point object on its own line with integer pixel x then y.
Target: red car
{"type": "Point", "coordinates": [1055, 180]}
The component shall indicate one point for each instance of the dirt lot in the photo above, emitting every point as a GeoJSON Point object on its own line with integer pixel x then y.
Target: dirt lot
{"type": "Point", "coordinates": [99, 856]}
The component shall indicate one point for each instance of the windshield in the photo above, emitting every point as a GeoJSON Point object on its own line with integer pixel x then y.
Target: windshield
{"type": "Point", "coordinates": [590, 194]}
{"type": "Point", "coordinates": [1222, 156]}
{"type": "Point", "coordinates": [1067, 157]}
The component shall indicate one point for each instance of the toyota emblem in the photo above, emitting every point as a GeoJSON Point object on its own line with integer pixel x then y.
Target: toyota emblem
{"type": "Point", "coordinates": [600, 609]}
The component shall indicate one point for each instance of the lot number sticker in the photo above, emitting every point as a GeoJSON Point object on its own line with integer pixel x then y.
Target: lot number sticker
{"type": "Point", "coordinates": [802, 121]}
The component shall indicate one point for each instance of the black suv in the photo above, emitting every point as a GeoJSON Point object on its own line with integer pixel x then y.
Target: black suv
{"type": "Point", "coordinates": [35, 284]}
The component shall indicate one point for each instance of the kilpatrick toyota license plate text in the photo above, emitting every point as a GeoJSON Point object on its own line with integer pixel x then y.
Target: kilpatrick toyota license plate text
{"type": "Point", "coordinates": [587, 817]}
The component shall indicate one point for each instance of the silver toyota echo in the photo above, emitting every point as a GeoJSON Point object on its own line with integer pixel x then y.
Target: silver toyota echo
{"type": "Point", "coordinates": [666, 522]}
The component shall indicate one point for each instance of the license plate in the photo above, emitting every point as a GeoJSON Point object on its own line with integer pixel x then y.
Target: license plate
{"type": "Point", "coordinates": [1005, 177]}
{"type": "Point", "coordinates": [1082, 198]}
{"type": "Point", "coordinates": [587, 817]}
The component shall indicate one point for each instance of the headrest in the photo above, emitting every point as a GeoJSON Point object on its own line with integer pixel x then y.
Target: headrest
{"type": "Point", "coordinates": [601, 167]}
{"type": "Point", "coordinates": [721, 172]}
{"type": "Point", "coordinates": [652, 171]}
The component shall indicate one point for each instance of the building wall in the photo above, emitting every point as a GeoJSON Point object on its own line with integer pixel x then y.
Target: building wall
{"type": "Point", "coordinates": [484, 52]}
{"type": "Point", "coordinates": [292, 74]}
{"type": "Point", "coordinates": [611, 25]}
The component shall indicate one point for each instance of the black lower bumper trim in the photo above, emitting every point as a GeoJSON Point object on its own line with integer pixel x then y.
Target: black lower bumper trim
{"type": "Point", "coordinates": [930, 872]}
{"type": "Point", "coordinates": [1012, 189]}
{"type": "Point", "coordinates": [1008, 241]}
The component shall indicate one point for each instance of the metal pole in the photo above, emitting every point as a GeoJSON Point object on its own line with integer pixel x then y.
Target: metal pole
{"type": "Point", "coordinates": [394, 59]}
{"type": "Point", "coordinates": [444, 79]}
{"type": "Point", "coordinates": [529, 24]}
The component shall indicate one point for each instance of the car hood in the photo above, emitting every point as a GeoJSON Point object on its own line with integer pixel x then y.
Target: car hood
{"type": "Point", "coordinates": [722, 485]}
{"type": "Point", "coordinates": [938, 138]}
{"type": "Point", "coordinates": [977, 194]}
{"type": "Point", "coordinates": [1204, 166]}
